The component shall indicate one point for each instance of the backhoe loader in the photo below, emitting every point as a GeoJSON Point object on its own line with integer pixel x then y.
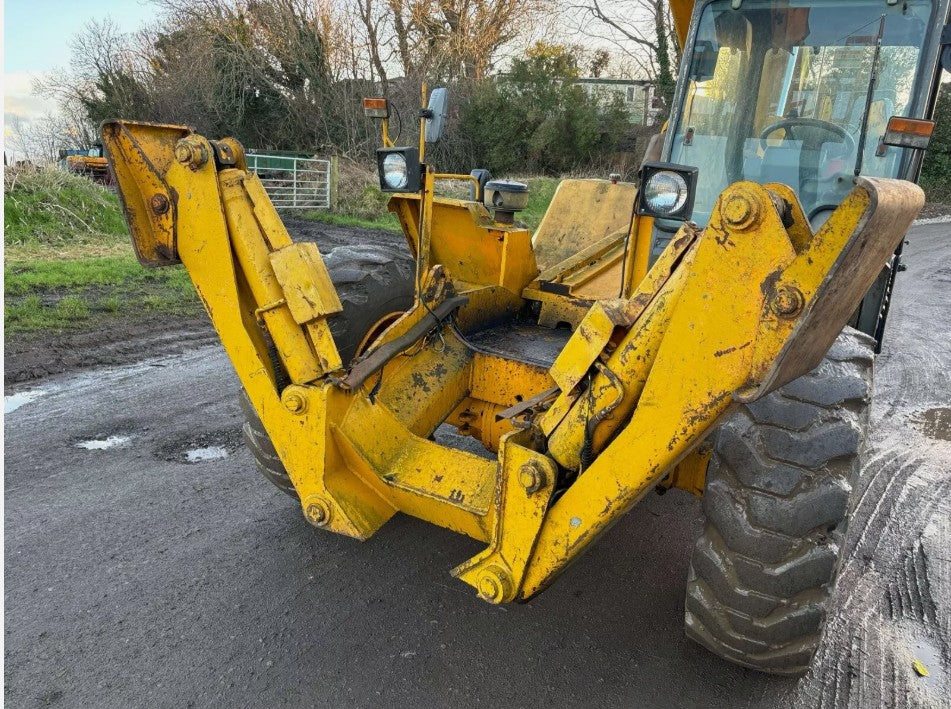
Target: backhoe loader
{"type": "Point", "coordinates": [710, 329]}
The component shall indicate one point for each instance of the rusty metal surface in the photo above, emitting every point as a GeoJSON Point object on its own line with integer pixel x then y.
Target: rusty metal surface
{"type": "Point", "coordinates": [375, 361]}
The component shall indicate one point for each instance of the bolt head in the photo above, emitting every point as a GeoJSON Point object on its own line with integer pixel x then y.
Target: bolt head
{"type": "Point", "coordinates": [739, 210]}
{"type": "Point", "coordinates": [191, 152]}
{"type": "Point", "coordinates": [294, 402]}
{"type": "Point", "coordinates": [183, 152]}
{"type": "Point", "coordinates": [787, 302]}
{"type": "Point", "coordinates": [317, 512]}
{"type": "Point", "coordinates": [495, 585]}
{"type": "Point", "coordinates": [531, 477]}
{"type": "Point", "coordinates": [159, 204]}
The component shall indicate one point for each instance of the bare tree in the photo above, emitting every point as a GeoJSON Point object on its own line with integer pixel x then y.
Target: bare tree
{"type": "Point", "coordinates": [442, 39]}
{"type": "Point", "coordinates": [641, 29]}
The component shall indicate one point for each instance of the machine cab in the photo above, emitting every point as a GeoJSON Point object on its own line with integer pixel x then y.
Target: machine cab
{"type": "Point", "coordinates": [801, 93]}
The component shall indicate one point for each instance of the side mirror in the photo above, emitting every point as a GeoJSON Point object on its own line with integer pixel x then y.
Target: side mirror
{"type": "Point", "coordinates": [436, 114]}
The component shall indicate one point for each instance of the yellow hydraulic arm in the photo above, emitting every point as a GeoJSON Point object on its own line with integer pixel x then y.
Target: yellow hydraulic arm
{"type": "Point", "coordinates": [724, 316]}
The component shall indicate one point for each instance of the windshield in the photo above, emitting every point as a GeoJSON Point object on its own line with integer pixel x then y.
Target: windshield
{"type": "Point", "coordinates": [779, 94]}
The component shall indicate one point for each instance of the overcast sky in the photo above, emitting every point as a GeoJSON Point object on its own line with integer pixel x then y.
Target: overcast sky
{"type": "Point", "coordinates": [36, 37]}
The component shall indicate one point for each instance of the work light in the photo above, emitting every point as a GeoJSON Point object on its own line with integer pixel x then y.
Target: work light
{"type": "Point", "coordinates": [399, 169]}
{"type": "Point", "coordinates": [667, 191]}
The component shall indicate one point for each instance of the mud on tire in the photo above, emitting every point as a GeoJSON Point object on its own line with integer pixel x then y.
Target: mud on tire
{"type": "Point", "coordinates": [372, 281]}
{"type": "Point", "coordinates": [776, 508]}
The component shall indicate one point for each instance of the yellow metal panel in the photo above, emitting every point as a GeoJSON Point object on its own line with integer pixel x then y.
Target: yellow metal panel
{"type": "Point", "coordinates": [468, 244]}
{"type": "Point", "coordinates": [707, 313]}
{"type": "Point", "coordinates": [690, 474]}
{"type": "Point", "coordinates": [615, 389]}
{"type": "Point", "coordinates": [639, 253]}
{"type": "Point", "coordinates": [339, 503]}
{"type": "Point", "coordinates": [586, 343]}
{"type": "Point", "coordinates": [448, 487]}
{"type": "Point", "coordinates": [581, 213]}
{"type": "Point", "coordinates": [824, 284]}
{"type": "Point", "coordinates": [140, 154]}
{"type": "Point", "coordinates": [681, 12]}
{"type": "Point", "coordinates": [558, 309]}
{"type": "Point", "coordinates": [253, 256]}
{"type": "Point", "coordinates": [504, 381]}
{"type": "Point", "coordinates": [301, 272]}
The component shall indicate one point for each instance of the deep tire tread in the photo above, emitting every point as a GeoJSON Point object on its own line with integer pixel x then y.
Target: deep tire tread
{"type": "Point", "coordinates": [776, 507]}
{"type": "Point", "coordinates": [372, 280]}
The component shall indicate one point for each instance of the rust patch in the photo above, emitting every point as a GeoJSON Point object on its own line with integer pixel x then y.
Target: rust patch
{"type": "Point", "coordinates": [419, 382]}
{"type": "Point", "coordinates": [768, 286]}
{"type": "Point", "coordinates": [728, 350]}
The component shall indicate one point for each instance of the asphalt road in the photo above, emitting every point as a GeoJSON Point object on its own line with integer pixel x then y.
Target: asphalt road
{"type": "Point", "coordinates": [136, 578]}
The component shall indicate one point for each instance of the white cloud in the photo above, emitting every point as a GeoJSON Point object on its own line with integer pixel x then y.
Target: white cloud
{"type": "Point", "coordinates": [19, 99]}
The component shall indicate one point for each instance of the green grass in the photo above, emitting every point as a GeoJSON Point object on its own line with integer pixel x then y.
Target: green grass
{"type": "Point", "coordinates": [70, 295]}
{"type": "Point", "coordinates": [67, 295]}
{"type": "Point", "coordinates": [540, 193]}
{"type": "Point", "coordinates": [68, 261]}
{"type": "Point", "coordinates": [23, 277]}
{"type": "Point", "coordinates": [51, 208]}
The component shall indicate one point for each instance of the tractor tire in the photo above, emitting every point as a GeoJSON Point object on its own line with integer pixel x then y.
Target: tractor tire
{"type": "Point", "coordinates": [776, 507]}
{"type": "Point", "coordinates": [373, 283]}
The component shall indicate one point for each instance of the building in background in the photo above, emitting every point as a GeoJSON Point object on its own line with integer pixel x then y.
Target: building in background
{"type": "Point", "coordinates": [636, 94]}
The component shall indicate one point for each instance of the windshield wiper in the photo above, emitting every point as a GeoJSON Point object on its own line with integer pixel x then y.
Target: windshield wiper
{"type": "Point", "coordinates": [869, 95]}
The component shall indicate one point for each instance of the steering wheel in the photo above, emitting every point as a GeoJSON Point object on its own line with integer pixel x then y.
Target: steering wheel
{"type": "Point", "coordinates": [814, 133]}
{"type": "Point", "coordinates": [810, 138]}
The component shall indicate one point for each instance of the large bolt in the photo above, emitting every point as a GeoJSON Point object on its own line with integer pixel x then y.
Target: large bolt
{"type": "Point", "coordinates": [495, 585]}
{"type": "Point", "coordinates": [191, 151]}
{"type": "Point", "coordinates": [317, 511]}
{"type": "Point", "coordinates": [739, 210]}
{"type": "Point", "coordinates": [532, 477]}
{"type": "Point", "coordinates": [787, 302]}
{"type": "Point", "coordinates": [294, 402]}
{"type": "Point", "coordinates": [159, 204]}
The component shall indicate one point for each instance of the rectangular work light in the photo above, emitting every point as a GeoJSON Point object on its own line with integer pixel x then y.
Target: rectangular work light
{"type": "Point", "coordinates": [667, 191]}
{"type": "Point", "coordinates": [399, 169]}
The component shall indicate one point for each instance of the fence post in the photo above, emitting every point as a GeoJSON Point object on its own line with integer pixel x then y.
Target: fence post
{"type": "Point", "coordinates": [333, 181]}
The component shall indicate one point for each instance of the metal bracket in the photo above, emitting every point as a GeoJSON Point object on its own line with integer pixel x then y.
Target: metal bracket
{"type": "Point", "coordinates": [524, 486]}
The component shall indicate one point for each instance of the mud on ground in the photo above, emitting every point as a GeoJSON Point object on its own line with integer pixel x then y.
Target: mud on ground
{"type": "Point", "coordinates": [116, 339]}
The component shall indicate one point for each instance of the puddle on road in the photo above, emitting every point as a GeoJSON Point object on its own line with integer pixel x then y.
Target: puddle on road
{"type": "Point", "coordinates": [101, 444]}
{"type": "Point", "coordinates": [935, 423]}
{"type": "Point", "coordinates": [199, 455]}
{"type": "Point", "coordinates": [14, 401]}
{"type": "Point", "coordinates": [199, 446]}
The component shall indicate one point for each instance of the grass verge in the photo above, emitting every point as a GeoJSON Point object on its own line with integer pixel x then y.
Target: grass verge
{"type": "Point", "coordinates": [68, 262]}
{"type": "Point", "coordinates": [55, 296]}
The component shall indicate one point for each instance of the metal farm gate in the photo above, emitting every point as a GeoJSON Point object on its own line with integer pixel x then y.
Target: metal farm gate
{"type": "Point", "coordinates": [294, 181]}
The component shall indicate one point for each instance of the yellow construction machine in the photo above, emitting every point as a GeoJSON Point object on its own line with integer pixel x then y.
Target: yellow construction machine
{"type": "Point", "coordinates": [89, 163]}
{"type": "Point", "coordinates": [686, 332]}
